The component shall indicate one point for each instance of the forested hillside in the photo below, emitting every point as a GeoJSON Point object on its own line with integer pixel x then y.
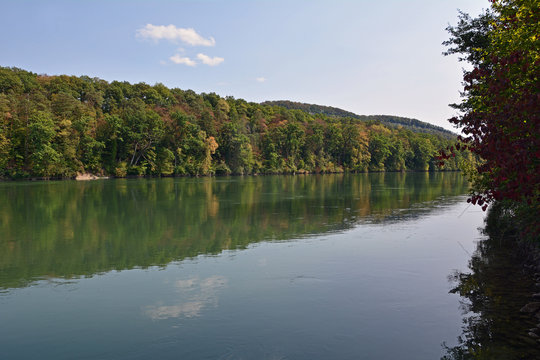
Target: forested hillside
{"type": "Point", "coordinates": [388, 120]}
{"type": "Point", "coordinates": [58, 126]}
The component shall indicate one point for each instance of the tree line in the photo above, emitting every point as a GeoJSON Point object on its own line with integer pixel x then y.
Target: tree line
{"type": "Point", "coordinates": [59, 126]}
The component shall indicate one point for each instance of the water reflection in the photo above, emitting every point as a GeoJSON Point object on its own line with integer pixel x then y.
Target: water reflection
{"type": "Point", "coordinates": [70, 229]}
{"type": "Point", "coordinates": [492, 294]}
{"type": "Point", "coordinates": [195, 295]}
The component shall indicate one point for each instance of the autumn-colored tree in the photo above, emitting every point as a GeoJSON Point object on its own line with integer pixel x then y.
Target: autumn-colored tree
{"type": "Point", "coordinates": [501, 106]}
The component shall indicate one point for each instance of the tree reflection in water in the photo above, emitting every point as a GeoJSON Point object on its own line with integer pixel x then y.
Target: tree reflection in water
{"type": "Point", "coordinates": [499, 284]}
{"type": "Point", "coordinates": [68, 229]}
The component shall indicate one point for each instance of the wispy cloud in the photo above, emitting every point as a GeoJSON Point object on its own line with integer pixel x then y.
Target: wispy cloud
{"type": "Point", "coordinates": [172, 33]}
{"type": "Point", "coordinates": [210, 61]}
{"type": "Point", "coordinates": [260, 79]}
{"type": "Point", "coordinates": [177, 59]}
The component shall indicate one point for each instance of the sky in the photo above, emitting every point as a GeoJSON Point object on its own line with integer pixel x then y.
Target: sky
{"type": "Point", "coordinates": [368, 57]}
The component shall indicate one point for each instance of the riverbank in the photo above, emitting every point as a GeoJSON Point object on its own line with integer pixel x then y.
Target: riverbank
{"type": "Point", "coordinates": [90, 176]}
{"type": "Point", "coordinates": [500, 296]}
{"type": "Point", "coordinates": [519, 224]}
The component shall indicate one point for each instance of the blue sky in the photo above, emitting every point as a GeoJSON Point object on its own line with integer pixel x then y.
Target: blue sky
{"type": "Point", "coordinates": [369, 57]}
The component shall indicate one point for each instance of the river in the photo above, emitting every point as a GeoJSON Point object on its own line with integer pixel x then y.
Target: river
{"type": "Point", "coordinates": [347, 266]}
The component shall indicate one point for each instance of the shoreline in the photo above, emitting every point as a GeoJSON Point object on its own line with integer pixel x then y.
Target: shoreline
{"type": "Point", "coordinates": [90, 176]}
{"type": "Point", "coordinates": [500, 291]}
{"type": "Point", "coordinates": [505, 223]}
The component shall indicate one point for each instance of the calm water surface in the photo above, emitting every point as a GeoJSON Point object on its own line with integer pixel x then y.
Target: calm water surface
{"type": "Point", "coordinates": [279, 267]}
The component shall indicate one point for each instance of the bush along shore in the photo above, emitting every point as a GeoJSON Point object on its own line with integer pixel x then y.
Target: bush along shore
{"type": "Point", "coordinates": [61, 126]}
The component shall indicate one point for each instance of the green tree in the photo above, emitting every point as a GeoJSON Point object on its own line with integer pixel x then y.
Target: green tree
{"type": "Point", "coordinates": [143, 129]}
{"type": "Point", "coordinates": [423, 153]}
{"type": "Point", "coordinates": [396, 160]}
{"type": "Point", "coordinates": [236, 149]}
{"type": "Point", "coordinates": [379, 150]}
{"type": "Point", "coordinates": [44, 158]}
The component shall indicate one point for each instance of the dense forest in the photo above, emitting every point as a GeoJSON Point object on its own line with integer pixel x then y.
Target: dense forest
{"type": "Point", "coordinates": [388, 120]}
{"type": "Point", "coordinates": [59, 126]}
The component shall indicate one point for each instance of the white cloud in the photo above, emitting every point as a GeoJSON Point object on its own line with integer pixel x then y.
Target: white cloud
{"type": "Point", "coordinates": [172, 33]}
{"type": "Point", "coordinates": [177, 59]}
{"type": "Point", "coordinates": [210, 61]}
{"type": "Point", "coordinates": [260, 79]}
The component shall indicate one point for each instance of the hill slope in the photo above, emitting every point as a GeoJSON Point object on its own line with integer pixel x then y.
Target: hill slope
{"type": "Point", "coordinates": [61, 126]}
{"type": "Point", "coordinates": [388, 120]}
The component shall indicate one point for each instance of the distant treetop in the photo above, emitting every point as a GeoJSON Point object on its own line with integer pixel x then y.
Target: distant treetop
{"type": "Point", "coordinates": [388, 120]}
